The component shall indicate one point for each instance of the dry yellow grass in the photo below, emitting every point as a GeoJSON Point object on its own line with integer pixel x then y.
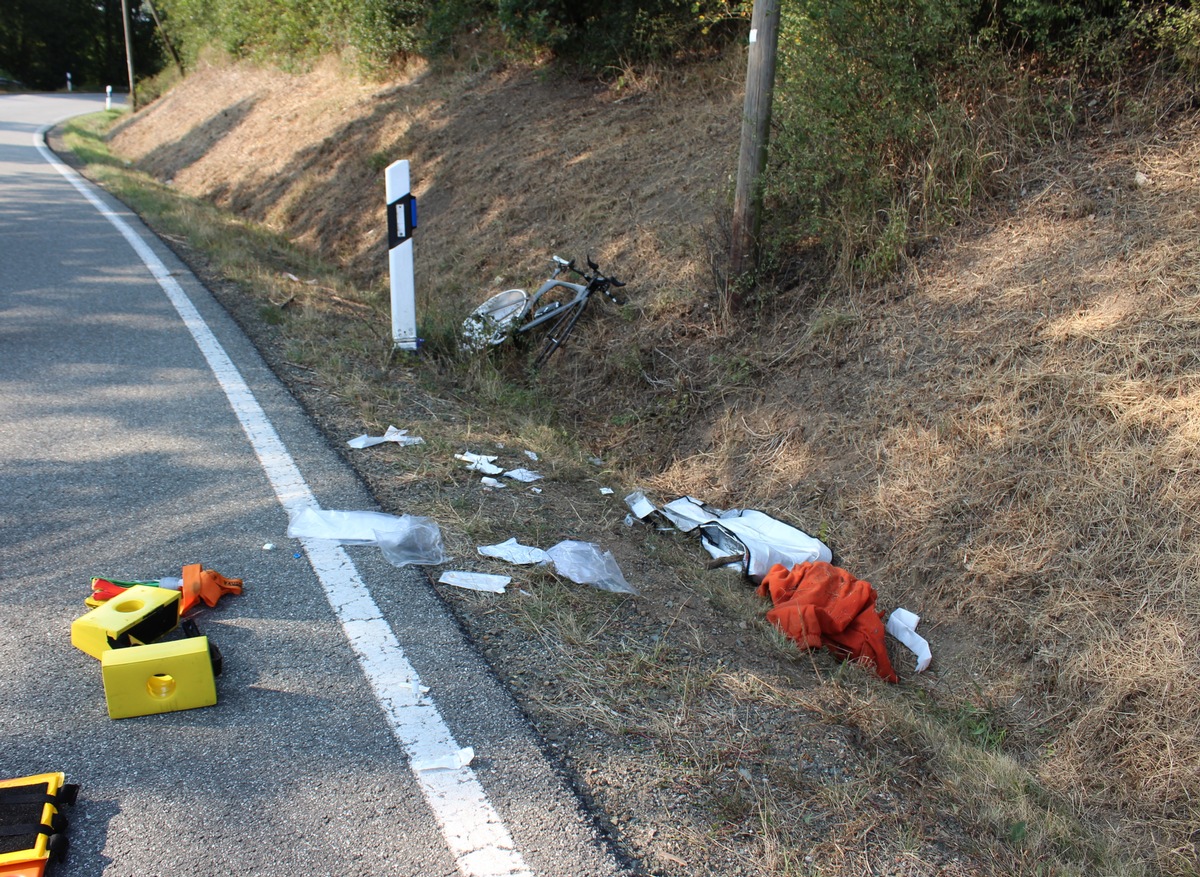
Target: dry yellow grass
{"type": "Point", "coordinates": [1002, 439]}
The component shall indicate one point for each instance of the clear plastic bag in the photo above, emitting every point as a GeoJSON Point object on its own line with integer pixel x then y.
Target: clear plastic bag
{"type": "Point", "coordinates": [587, 564]}
{"type": "Point", "coordinates": [404, 539]}
{"type": "Point", "coordinates": [347, 527]}
{"type": "Point", "coordinates": [416, 542]}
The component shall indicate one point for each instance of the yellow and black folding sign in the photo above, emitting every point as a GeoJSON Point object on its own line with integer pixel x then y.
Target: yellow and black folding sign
{"type": "Point", "coordinates": [32, 826]}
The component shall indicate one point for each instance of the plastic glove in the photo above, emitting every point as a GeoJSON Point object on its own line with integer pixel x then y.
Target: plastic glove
{"type": "Point", "coordinates": [207, 585]}
{"type": "Point", "coordinates": [213, 586]}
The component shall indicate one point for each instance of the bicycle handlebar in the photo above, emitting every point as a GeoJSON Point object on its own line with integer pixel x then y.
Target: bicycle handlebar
{"type": "Point", "coordinates": [563, 264]}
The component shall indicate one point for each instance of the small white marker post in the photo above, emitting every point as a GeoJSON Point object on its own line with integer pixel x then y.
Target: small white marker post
{"type": "Point", "coordinates": [402, 219]}
{"type": "Point", "coordinates": [108, 97]}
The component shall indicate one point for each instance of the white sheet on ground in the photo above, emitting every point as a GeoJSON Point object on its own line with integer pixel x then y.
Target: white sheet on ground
{"type": "Point", "coordinates": [475, 581]}
{"type": "Point", "coordinates": [768, 541]}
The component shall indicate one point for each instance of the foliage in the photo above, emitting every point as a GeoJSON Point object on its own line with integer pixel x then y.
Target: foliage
{"type": "Point", "coordinates": [1177, 29]}
{"type": "Point", "coordinates": [43, 40]}
{"type": "Point", "coordinates": [150, 88]}
{"type": "Point", "coordinates": [381, 30]}
{"type": "Point", "coordinates": [1048, 25]}
{"type": "Point", "coordinates": [880, 136]}
{"type": "Point", "coordinates": [264, 29]}
{"type": "Point", "coordinates": [1099, 37]}
{"type": "Point", "coordinates": [378, 31]}
{"type": "Point", "coordinates": [451, 20]}
{"type": "Point", "coordinates": [856, 110]}
{"type": "Point", "coordinates": [600, 33]}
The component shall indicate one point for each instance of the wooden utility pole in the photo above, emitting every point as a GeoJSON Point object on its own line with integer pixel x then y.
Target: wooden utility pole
{"type": "Point", "coordinates": [756, 123]}
{"type": "Point", "coordinates": [129, 53]}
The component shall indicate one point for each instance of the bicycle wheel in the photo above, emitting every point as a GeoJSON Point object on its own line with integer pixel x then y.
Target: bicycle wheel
{"type": "Point", "coordinates": [560, 330]}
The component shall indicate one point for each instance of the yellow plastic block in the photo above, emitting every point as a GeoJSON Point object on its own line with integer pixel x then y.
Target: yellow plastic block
{"type": "Point", "coordinates": [141, 615]}
{"type": "Point", "coordinates": [158, 678]}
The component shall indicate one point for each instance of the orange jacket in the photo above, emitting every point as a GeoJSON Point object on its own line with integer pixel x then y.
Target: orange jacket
{"type": "Point", "coordinates": [819, 604]}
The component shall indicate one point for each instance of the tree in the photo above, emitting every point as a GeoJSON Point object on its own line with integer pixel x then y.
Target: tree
{"type": "Point", "coordinates": [43, 40]}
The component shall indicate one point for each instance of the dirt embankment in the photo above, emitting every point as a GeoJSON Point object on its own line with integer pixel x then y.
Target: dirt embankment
{"type": "Point", "coordinates": [1001, 439]}
{"type": "Point", "coordinates": [508, 166]}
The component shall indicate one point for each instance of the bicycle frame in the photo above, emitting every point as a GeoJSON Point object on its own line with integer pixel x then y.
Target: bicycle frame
{"type": "Point", "coordinates": [582, 294]}
{"type": "Point", "coordinates": [514, 313]}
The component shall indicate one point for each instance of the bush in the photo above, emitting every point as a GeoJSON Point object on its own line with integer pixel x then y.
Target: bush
{"type": "Point", "coordinates": [451, 19]}
{"type": "Point", "coordinates": [592, 32]}
{"type": "Point", "coordinates": [1178, 31]}
{"type": "Point", "coordinates": [1052, 25]}
{"type": "Point", "coordinates": [856, 109]}
{"type": "Point", "coordinates": [383, 30]}
{"type": "Point", "coordinates": [298, 32]}
{"type": "Point", "coordinates": [598, 33]}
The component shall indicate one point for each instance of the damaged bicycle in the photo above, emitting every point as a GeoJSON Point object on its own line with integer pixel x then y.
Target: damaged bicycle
{"type": "Point", "coordinates": [548, 317]}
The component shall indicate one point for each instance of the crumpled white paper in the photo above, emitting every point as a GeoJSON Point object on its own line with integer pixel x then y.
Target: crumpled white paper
{"type": "Point", "coordinates": [522, 475]}
{"type": "Point", "coordinates": [514, 552]}
{"type": "Point", "coordinates": [453, 761]}
{"type": "Point", "coordinates": [480, 463]}
{"type": "Point", "coordinates": [475, 581]}
{"type": "Point", "coordinates": [902, 624]}
{"type": "Point", "coordinates": [397, 436]}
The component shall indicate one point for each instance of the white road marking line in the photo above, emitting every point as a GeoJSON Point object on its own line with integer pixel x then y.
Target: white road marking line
{"type": "Point", "coordinates": [474, 832]}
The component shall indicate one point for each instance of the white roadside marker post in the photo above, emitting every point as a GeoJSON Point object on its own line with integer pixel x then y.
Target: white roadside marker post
{"type": "Point", "coordinates": [402, 219]}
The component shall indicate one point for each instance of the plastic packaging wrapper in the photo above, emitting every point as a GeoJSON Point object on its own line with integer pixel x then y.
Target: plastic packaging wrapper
{"type": "Point", "coordinates": [491, 322]}
{"type": "Point", "coordinates": [514, 552]}
{"type": "Point", "coordinates": [404, 539]}
{"type": "Point", "coordinates": [418, 543]}
{"type": "Point", "coordinates": [453, 761]}
{"type": "Point", "coordinates": [762, 540]}
{"type": "Point", "coordinates": [639, 505]}
{"type": "Point", "coordinates": [349, 528]}
{"type": "Point", "coordinates": [475, 581]}
{"type": "Point", "coordinates": [902, 624]}
{"type": "Point", "coordinates": [587, 564]}
{"type": "Point", "coordinates": [396, 436]}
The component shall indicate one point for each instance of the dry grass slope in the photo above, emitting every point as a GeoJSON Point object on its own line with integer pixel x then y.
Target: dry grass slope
{"type": "Point", "coordinates": [1003, 439]}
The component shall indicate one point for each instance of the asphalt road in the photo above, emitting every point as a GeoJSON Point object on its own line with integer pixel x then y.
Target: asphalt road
{"type": "Point", "coordinates": [141, 432]}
